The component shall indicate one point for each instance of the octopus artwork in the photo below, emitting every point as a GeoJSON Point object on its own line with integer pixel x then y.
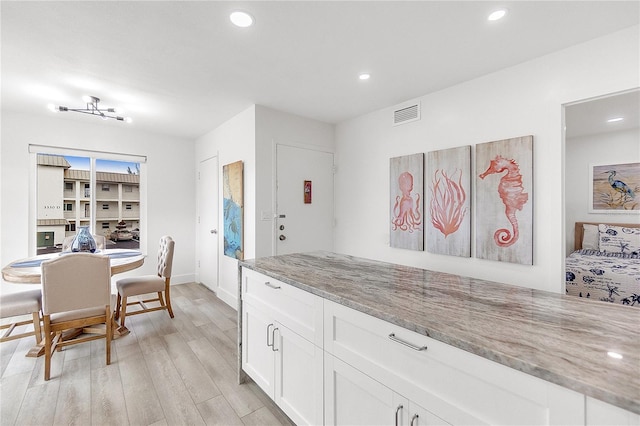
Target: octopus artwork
{"type": "Point", "coordinates": [447, 205]}
{"type": "Point", "coordinates": [512, 194]}
{"type": "Point", "coordinates": [406, 210]}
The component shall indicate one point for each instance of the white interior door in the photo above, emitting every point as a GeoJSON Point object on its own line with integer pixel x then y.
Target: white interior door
{"type": "Point", "coordinates": [303, 224]}
{"type": "Point", "coordinates": [208, 222]}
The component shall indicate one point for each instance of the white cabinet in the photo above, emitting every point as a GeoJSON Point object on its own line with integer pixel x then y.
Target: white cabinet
{"type": "Point", "coordinates": [353, 398]}
{"type": "Point", "coordinates": [453, 385]}
{"type": "Point", "coordinates": [600, 414]}
{"type": "Point", "coordinates": [278, 350]}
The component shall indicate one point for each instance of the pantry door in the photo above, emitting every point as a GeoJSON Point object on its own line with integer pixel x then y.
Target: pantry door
{"type": "Point", "coordinates": [304, 200]}
{"type": "Point", "coordinates": [208, 222]}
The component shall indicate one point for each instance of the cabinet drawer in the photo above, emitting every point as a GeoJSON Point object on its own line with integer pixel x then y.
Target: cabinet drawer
{"type": "Point", "coordinates": [300, 311]}
{"type": "Point", "coordinates": [459, 387]}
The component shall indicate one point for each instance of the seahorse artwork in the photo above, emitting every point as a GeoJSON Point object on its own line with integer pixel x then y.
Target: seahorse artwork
{"type": "Point", "coordinates": [512, 194]}
{"type": "Point", "coordinates": [406, 207]}
{"type": "Point", "coordinates": [406, 211]}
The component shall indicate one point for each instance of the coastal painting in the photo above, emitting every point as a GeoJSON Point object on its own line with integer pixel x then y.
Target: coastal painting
{"type": "Point", "coordinates": [614, 188]}
{"type": "Point", "coordinates": [504, 200]}
{"type": "Point", "coordinates": [448, 224]}
{"type": "Point", "coordinates": [406, 203]}
{"type": "Point", "coordinates": [233, 207]}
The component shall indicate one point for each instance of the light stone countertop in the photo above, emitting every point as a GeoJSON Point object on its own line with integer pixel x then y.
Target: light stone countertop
{"type": "Point", "coordinates": [558, 338]}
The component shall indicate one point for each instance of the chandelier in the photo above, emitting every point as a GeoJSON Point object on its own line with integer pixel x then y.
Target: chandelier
{"type": "Point", "coordinates": [92, 108]}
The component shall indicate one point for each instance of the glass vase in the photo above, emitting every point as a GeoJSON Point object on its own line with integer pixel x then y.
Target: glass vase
{"type": "Point", "coordinates": [83, 241]}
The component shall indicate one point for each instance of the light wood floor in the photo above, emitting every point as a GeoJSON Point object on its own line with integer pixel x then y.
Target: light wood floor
{"type": "Point", "coordinates": [165, 372]}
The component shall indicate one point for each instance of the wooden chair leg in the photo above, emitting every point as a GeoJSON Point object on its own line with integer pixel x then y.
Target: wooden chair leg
{"type": "Point", "coordinates": [167, 296]}
{"type": "Point", "coordinates": [47, 348]}
{"type": "Point", "coordinates": [123, 313]}
{"type": "Point", "coordinates": [36, 327]}
{"type": "Point", "coordinates": [109, 331]}
{"type": "Point", "coordinates": [118, 301]}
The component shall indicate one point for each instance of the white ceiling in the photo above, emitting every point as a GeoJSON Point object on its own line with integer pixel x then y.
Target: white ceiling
{"type": "Point", "coordinates": [591, 117]}
{"type": "Point", "coordinates": [181, 68]}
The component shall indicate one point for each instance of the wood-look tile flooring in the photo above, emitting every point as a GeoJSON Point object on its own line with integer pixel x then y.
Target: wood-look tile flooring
{"type": "Point", "coordinates": [165, 372]}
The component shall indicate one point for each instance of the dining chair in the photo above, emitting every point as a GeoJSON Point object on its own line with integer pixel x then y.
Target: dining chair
{"type": "Point", "coordinates": [76, 299]}
{"type": "Point", "coordinates": [101, 242]}
{"type": "Point", "coordinates": [17, 305]}
{"type": "Point", "coordinates": [141, 285]}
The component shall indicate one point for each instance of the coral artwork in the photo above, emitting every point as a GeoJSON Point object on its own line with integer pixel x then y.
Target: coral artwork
{"type": "Point", "coordinates": [447, 206]}
{"type": "Point", "coordinates": [449, 227]}
{"type": "Point", "coordinates": [406, 204]}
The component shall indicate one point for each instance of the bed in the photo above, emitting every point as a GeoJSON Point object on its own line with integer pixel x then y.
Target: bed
{"type": "Point", "coordinates": [605, 264]}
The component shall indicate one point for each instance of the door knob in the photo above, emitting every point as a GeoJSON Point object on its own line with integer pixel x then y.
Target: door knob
{"type": "Point", "coordinates": [282, 238]}
{"type": "Point", "coordinates": [214, 231]}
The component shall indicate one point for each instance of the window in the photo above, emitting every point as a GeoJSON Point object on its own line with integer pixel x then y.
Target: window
{"type": "Point", "coordinates": [64, 180]}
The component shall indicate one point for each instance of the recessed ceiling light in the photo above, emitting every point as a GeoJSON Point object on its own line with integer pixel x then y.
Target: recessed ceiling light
{"type": "Point", "coordinates": [614, 355]}
{"type": "Point", "coordinates": [498, 14]}
{"type": "Point", "coordinates": [364, 76]}
{"type": "Point", "coordinates": [616, 119]}
{"type": "Point", "coordinates": [241, 19]}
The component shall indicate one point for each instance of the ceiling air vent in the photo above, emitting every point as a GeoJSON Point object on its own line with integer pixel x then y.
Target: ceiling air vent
{"type": "Point", "coordinates": [406, 113]}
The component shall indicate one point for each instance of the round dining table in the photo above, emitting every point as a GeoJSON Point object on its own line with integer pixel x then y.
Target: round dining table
{"type": "Point", "coordinates": [27, 271]}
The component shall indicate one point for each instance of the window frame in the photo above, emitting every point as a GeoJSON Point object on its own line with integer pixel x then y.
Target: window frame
{"type": "Point", "coordinates": [35, 149]}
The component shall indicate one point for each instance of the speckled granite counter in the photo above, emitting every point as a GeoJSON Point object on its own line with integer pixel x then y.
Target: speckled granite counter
{"type": "Point", "coordinates": [561, 339]}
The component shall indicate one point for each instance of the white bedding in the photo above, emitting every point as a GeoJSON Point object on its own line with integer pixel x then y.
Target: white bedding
{"type": "Point", "coordinates": [610, 277]}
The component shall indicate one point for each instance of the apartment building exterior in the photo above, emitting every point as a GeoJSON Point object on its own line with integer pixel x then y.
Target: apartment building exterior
{"type": "Point", "coordinates": [64, 200]}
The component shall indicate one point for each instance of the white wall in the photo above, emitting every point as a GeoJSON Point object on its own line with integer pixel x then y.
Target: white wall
{"type": "Point", "coordinates": [582, 152]}
{"type": "Point", "coordinates": [280, 128]}
{"type": "Point", "coordinates": [170, 182]}
{"type": "Point", "coordinates": [233, 141]}
{"type": "Point", "coordinates": [251, 137]}
{"type": "Point", "coordinates": [523, 100]}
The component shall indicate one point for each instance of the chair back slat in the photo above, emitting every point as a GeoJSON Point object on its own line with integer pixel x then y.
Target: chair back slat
{"type": "Point", "coordinates": [165, 256]}
{"type": "Point", "coordinates": [75, 281]}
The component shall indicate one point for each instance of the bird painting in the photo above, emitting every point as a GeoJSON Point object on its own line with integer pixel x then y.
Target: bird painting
{"type": "Point", "coordinates": [616, 187]}
{"type": "Point", "coordinates": [620, 186]}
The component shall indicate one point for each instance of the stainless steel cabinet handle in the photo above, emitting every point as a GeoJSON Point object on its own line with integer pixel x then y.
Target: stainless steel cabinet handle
{"type": "Point", "coordinates": [397, 412]}
{"type": "Point", "coordinates": [414, 419]}
{"type": "Point", "coordinates": [273, 286]}
{"type": "Point", "coordinates": [273, 340]}
{"type": "Point", "coordinates": [269, 344]}
{"type": "Point", "coordinates": [214, 231]}
{"type": "Point", "coordinates": [393, 337]}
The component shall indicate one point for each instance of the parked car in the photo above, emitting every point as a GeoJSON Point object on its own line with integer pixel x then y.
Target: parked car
{"type": "Point", "coordinates": [136, 233]}
{"type": "Point", "coordinates": [121, 235]}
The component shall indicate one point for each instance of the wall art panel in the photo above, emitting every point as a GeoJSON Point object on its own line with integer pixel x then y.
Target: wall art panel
{"type": "Point", "coordinates": [407, 206]}
{"type": "Point", "coordinates": [233, 206]}
{"type": "Point", "coordinates": [504, 200]}
{"type": "Point", "coordinates": [448, 225]}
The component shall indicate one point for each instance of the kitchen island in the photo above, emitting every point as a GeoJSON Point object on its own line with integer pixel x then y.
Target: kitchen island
{"type": "Point", "coordinates": [585, 346]}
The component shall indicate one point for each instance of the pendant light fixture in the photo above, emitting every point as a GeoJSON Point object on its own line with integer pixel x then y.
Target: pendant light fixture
{"type": "Point", "coordinates": [92, 108]}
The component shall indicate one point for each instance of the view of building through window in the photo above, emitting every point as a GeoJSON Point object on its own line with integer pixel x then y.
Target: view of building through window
{"type": "Point", "coordinates": [65, 196]}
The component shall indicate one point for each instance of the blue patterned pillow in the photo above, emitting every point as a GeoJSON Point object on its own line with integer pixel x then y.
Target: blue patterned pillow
{"type": "Point", "coordinates": [618, 239]}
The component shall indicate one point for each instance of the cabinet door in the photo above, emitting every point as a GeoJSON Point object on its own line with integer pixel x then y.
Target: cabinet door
{"type": "Point", "coordinates": [419, 416]}
{"type": "Point", "coordinates": [298, 377]}
{"type": "Point", "coordinates": [257, 354]}
{"type": "Point", "coordinates": [353, 398]}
